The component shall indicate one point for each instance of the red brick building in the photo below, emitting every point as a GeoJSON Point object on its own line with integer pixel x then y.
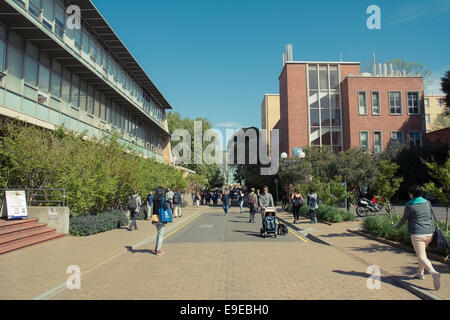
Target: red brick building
{"type": "Point", "coordinates": [333, 104]}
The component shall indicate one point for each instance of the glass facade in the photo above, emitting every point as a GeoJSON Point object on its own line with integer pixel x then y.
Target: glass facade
{"type": "Point", "coordinates": [324, 106]}
{"type": "Point", "coordinates": [43, 87]}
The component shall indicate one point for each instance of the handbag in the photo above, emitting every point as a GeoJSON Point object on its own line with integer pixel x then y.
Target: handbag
{"type": "Point", "coordinates": [165, 215]}
{"type": "Point", "coordinates": [155, 218]}
{"type": "Point", "coordinates": [439, 241]}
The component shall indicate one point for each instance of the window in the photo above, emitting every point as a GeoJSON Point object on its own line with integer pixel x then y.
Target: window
{"type": "Point", "coordinates": [31, 71]}
{"type": "Point", "coordinates": [34, 7]}
{"type": "Point", "coordinates": [413, 102]}
{"type": "Point", "coordinates": [395, 102]}
{"type": "Point", "coordinates": [427, 102]}
{"type": "Point", "coordinates": [15, 69]}
{"type": "Point", "coordinates": [85, 42]}
{"type": "Point", "coordinates": [427, 118]}
{"type": "Point", "coordinates": [377, 142]}
{"type": "Point", "coordinates": [362, 110]}
{"type": "Point", "coordinates": [323, 78]}
{"type": "Point", "coordinates": [56, 79]}
{"type": "Point", "coordinates": [441, 102]}
{"type": "Point", "coordinates": [66, 85]}
{"type": "Point", "coordinates": [415, 138]}
{"type": "Point", "coordinates": [397, 137]}
{"type": "Point", "coordinates": [47, 6]}
{"type": "Point", "coordinates": [75, 91]}
{"type": "Point", "coordinates": [376, 109]}
{"type": "Point", "coordinates": [83, 95]}
{"type": "Point", "coordinates": [364, 140]}
{"type": "Point", "coordinates": [312, 75]}
{"type": "Point", "coordinates": [59, 20]}
{"type": "Point", "coordinates": [334, 78]}
{"type": "Point", "coordinates": [2, 55]}
{"type": "Point", "coordinates": [90, 99]}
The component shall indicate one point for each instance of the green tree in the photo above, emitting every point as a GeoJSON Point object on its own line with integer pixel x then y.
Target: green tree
{"type": "Point", "coordinates": [445, 85]}
{"type": "Point", "coordinates": [442, 121]}
{"type": "Point", "coordinates": [412, 68]}
{"type": "Point", "coordinates": [441, 190]}
{"type": "Point", "coordinates": [387, 183]}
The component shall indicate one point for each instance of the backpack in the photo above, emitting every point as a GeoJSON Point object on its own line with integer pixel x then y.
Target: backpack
{"type": "Point", "coordinates": [313, 202]}
{"type": "Point", "coordinates": [251, 199]}
{"type": "Point", "coordinates": [132, 204]}
{"type": "Point", "coordinates": [297, 202]}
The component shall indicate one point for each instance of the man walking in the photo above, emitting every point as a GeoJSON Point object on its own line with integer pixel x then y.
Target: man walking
{"type": "Point", "coordinates": [177, 202]}
{"type": "Point", "coordinates": [252, 201]}
{"type": "Point", "coordinates": [265, 201]}
{"type": "Point", "coordinates": [226, 201]}
{"type": "Point", "coordinates": [241, 201]}
{"type": "Point", "coordinates": [169, 198]}
{"type": "Point", "coordinates": [134, 205]}
{"type": "Point", "coordinates": [150, 202]}
{"type": "Point", "coordinates": [313, 204]}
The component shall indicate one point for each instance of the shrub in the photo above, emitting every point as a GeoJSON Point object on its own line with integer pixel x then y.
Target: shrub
{"type": "Point", "coordinates": [87, 225]}
{"type": "Point", "coordinates": [329, 213]}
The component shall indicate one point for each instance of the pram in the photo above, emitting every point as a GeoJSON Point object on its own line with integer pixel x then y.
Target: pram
{"type": "Point", "coordinates": [269, 226]}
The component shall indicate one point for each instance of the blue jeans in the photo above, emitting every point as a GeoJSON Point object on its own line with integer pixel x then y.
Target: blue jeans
{"type": "Point", "coordinates": [225, 208]}
{"type": "Point", "coordinates": [241, 204]}
{"type": "Point", "coordinates": [159, 238]}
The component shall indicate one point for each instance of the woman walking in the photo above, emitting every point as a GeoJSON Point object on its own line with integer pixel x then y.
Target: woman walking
{"type": "Point", "coordinates": [297, 203]}
{"type": "Point", "coordinates": [313, 204]}
{"type": "Point", "coordinates": [420, 228]}
{"type": "Point", "coordinates": [158, 203]}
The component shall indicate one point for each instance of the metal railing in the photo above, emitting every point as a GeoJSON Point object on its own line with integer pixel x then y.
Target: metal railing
{"type": "Point", "coordinates": [41, 197]}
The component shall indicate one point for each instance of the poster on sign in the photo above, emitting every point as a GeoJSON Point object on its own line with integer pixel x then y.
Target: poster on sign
{"type": "Point", "coordinates": [14, 205]}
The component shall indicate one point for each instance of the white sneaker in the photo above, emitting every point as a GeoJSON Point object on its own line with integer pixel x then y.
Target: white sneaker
{"type": "Point", "coordinates": [436, 280]}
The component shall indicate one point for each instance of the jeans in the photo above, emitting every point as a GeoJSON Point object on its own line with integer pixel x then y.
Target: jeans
{"type": "Point", "coordinates": [252, 212]}
{"type": "Point", "coordinates": [241, 203]}
{"type": "Point", "coordinates": [176, 210]}
{"type": "Point", "coordinates": [420, 246]}
{"type": "Point", "coordinates": [225, 208]}
{"type": "Point", "coordinates": [159, 238]}
{"type": "Point", "coordinates": [312, 214]}
{"type": "Point", "coordinates": [133, 220]}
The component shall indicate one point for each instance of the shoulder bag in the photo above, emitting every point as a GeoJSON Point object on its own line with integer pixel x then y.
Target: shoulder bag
{"type": "Point", "coordinates": [439, 241]}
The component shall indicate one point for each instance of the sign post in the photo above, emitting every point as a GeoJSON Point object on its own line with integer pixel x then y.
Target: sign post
{"type": "Point", "coordinates": [14, 205]}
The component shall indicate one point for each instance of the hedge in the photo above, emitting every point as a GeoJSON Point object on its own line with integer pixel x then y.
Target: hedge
{"type": "Point", "coordinates": [87, 225]}
{"type": "Point", "coordinates": [329, 213]}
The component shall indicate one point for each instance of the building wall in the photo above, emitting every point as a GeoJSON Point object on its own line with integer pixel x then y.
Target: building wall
{"type": "Point", "coordinates": [442, 136]}
{"type": "Point", "coordinates": [434, 105]}
{"type": "Point", "coordinates": [270, 114]}
{"type": "Point", "coordinates": [385, 122]}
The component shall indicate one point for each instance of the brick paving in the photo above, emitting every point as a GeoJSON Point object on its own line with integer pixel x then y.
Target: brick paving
{"type": "Point", "coordinates": [234, 270]}
{"type": "Point", "coordinates": [31, 271]}
{"type": "Point", "coordinates": [395, 261]}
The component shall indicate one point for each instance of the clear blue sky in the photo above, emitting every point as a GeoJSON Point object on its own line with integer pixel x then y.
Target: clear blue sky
{"type": "Point", "coordinates": [217, 59]}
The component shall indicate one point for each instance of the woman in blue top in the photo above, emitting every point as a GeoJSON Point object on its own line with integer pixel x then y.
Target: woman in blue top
{"type": "Point", "coordinates": [421, 229]}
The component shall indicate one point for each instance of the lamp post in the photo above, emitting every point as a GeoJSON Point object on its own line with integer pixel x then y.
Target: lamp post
{"type": "Point", "coordinates": [299, 154]}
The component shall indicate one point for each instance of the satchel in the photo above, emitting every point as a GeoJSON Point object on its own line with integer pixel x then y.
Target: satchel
{"type": "Point", "coordinates": [165, 215]}
{"type": "Point", "coordinates": [155, 218]}
{"type": "Point", "coordinates": [439, 241]}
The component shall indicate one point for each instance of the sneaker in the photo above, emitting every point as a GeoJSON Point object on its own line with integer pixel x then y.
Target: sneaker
{"type": "Point", "coordinates": [436, 280]}
{"type": "Point", "coordinates": [159, 253]}
{"type": "Point", "coordinates": [315, 220]}
{"type": "Point", "coordinates": [418, 276]}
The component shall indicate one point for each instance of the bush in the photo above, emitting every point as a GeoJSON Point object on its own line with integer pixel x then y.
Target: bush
{"type": "Point", "coordinates": [87, 225]}
{"type": "Point", "coordinates": [329, 213]}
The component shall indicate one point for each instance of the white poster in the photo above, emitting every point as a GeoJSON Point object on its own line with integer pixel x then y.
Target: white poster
{"type": "Point", "coordinates": [14, 205]}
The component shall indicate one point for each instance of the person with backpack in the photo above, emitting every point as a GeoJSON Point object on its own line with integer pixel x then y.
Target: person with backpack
{"type": "Point", "coordinates": [159, 202]}
{"type": "Point", "coordinates": [418, 212]}
{"type": "Point", "coordinates": [252, 202]}
{"type": "Point", "coordinates": [297, 203]}
{"type": "Point", "coordinates": [169, 198]}
{"type": "Point", "coordinates": [150, 202]}
{"type": "Point", "coordinates": [177, 202]}
{"type": "Point", "coordinates": [241, 200]}
{"type": "Point", "coordinates": [226, 201]}
{"type": "Point", "coordinates": [134, 205]}
{"type": "Point", "coordinates": [313, 204]}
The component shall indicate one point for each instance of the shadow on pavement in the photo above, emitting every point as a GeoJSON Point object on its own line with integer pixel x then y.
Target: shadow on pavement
{"type": "Point", "coordinates": [249, 233]}
{"type": "Point", "coordinates": [378, 248]}
{"type": "Point", "coordinates": [130, 249]}
{"type": "Point", "coordinates": [333, 235]}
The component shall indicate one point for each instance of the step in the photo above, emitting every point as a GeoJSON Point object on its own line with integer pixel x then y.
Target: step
{"type": "Point", "coordinates": [4, 248]}
{"type": "Point", "coordinates": [5, 225]}
{"type": "Point", "coordinates": [24, 234]}
{"type": "Point", "coordinates": [21, 227]}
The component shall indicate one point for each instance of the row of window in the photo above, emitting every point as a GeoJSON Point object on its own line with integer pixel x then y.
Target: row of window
{"type": "Point", "coordinates": [440, 102]}
{"type": "Point", "coordinates": [414, 137]}
{"type": "Point", "coordinates": [395, 103]}
{"type": "Point", "coordinates": [53, 17]}
{"type": "Point", "coordinates": [37, 77]}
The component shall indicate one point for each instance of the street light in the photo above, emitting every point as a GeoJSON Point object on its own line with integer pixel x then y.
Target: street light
{"type": "Point", "coordinates": [297, 153]}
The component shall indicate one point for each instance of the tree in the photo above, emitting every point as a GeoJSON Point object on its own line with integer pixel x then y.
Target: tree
{"type": "Point", "coordinates": [441, 191]}
{"type": "Point", "coordinates": [445, 84]}
{"type": "Point", "coordinates": [411, 68]}
{"type": "Point", "coordinates": [387, 184]}
{"type": "Point", "coordinates": [442, 121]}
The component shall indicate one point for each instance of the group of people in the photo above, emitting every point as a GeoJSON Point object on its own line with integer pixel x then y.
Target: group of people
{"type": "Point", "coordinates": [161, 198]}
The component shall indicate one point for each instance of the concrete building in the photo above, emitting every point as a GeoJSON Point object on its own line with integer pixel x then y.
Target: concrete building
{"type": "Point", "coordinates": [270, 113]}
{"type": "Point", "coordinates": [326, 103]}
{"type": "Point", "coordinates": [434, 105]}
{"type": "Point", "coordinates": [83, 79]}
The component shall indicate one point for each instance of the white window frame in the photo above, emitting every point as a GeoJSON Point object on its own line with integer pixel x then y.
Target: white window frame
{"type": "Point", "coordinates": [420, 136]}
{"type": "Point", "coordinates": [368, 142]}
{"type": "Point", "coordinates": [403, 136]}
{"type": "Point", "coordinates": [379, 102]}
{"type": "Point", "coordinates": [359, 104]}
{"type": "Point", "coordinates": [418, 101]}
{"type": "Point", "coordinates": [401, 103]}
{"type": "Point", "coordinates": [381, 140]}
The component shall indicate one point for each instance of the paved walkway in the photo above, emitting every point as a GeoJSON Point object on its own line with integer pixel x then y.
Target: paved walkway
{"type": "Point", "coordinates": [31, 271]}
{"type": "Point", "coordinates": [394, 261]}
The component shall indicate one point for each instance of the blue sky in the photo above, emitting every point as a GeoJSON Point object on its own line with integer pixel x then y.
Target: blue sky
{"type": "Point", "coordinates": [217, 59]}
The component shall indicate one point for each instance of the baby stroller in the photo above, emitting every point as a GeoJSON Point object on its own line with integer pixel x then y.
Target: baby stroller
{"type": "Point", "coordinates": [269, 227]}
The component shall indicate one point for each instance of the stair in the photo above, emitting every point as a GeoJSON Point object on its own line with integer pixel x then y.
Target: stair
{"type": "Point", "coordinates": [18, 234]}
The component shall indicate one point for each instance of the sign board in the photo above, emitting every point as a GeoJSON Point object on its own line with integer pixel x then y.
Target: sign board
{"type": "Point", "coordinates": [14, 205]}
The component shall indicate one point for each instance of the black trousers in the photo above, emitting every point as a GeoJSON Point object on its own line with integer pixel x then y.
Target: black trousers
{"type": "Point", "coordinates": [133, 221]}
{"type": "Point", "coordinates": [296, 211]}
{"type": "Point", "coordinates": [252, 212]}
{"type": "Point", "coordinates": [312, 213]}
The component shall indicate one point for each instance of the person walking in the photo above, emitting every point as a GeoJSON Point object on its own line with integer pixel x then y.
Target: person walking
{"type": "Point", "coordinates": [134, 205]}
{"type": "Point", "coordinates": [265, 201]}
{"type": "Point", "coordinates": [158, 202]}
{"type": "Point", "coordinates": [241, 200]}
{"type": "Point", "coordinates": [226, 201]}
{"type": "Point", "coordinates": [169, 198]}
{"type": "Point", "coordinates": [297, 203]}
{"type": "Point", "coordinates": [197, 199]}
{"type": "Point", "coordinates": [313, 204]}
{"type": "Point", "coordinates": [421, 229]}
{"type": "Point", "coordinates": [150, 202]}
{"type": "Point", "coordinates": [252, 203]}
{"type": "Point", "coordinates": [177, 202]}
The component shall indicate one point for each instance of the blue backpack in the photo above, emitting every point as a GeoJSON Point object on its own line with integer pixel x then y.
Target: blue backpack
{"type": "Point", "coordinates": [165, 214]}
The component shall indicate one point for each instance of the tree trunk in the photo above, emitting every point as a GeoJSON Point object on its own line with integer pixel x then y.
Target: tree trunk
{"type": "Point", "coordinates": [446, 220]}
